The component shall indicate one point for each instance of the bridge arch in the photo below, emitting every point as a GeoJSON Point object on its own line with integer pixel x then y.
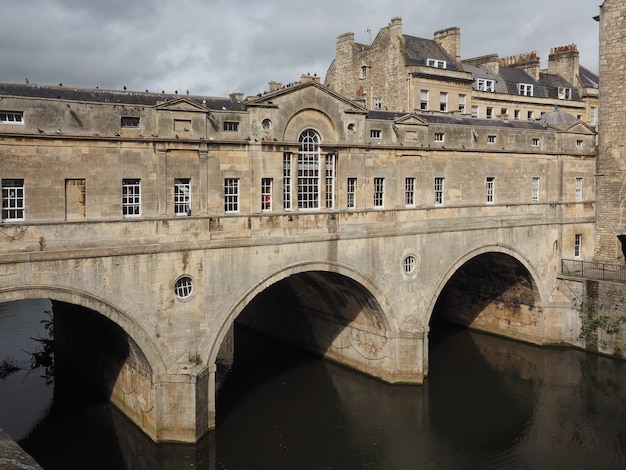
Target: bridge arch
{"type": "Point", "coordinates": [378, 306]}
{"type": "Point", "coordinates": [497, 287]}
{"type": "Point", "coordinates": [106, 309]}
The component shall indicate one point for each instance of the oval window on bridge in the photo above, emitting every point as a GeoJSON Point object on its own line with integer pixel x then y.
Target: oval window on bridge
{"type": "Point", "coordinates": [409, 264]}
{"type": "Point", "coordinates": [183, 287]}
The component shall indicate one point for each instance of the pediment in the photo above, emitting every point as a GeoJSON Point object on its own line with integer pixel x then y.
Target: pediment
{"type": "Point", "coordinates": [411, 119]}
{"type": "Point", "coordinates": [578, 127]}
{"type": "Point", "coordinates": [312, 91]}
{"type": "Point", "coordinates": [180, 104]}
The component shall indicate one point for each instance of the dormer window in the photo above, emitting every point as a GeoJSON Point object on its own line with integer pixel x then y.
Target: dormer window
{"type": "Point", "coordinates": [525, 89]}
{"type": "Point", "coordinates": [565, 93]}
{"type": "Point", "coordinates": [231, 126]}
{"type": "Point", "coordinates": [484, 84]}
{"type": "Point", "coordinates": [11, 117]}
{"type": "Point", "coordinates": [128, 121]}
{"type": "Point", "coordinates": [440, 64]}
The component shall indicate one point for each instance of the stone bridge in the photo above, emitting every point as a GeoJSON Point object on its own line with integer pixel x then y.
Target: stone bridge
{"type": "Point", "coordinates": [360, 288]}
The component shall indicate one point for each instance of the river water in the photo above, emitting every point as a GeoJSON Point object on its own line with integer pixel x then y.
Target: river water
{"type": "Point", "coordinates": [488, 403]}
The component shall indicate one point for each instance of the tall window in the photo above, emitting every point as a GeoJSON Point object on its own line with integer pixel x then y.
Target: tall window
{"type": "Point", "coordinates": [535, 189]}
{"type": "Point", "coordinates": [490, 189]}
{"type": "Point", "coordinates": [351, 193]}
{"type": "Point", "coordinates": [409, 192]}
{"type": "Point", "coordinates": [12, 199]}
{"type": "Point", "coordinates": [443, 102]}
{"type": "Point", "coordinates": [330, 181]}
{"type": "Point", "coordinates": [424, 100]}
{"type": "Point", "coordinates": [593, 116]}
{"type": "Point", "coordinates": [231, 194]}
{"type": "Point", "coordinates": [462, 101]}
{"type": "Point", "coordinates": [287, 181]}
{"type": "Point", "coordinates": [438, 191]}
{"type": "Point", "coordinates": [475, 112]}
{"type": "Point", "coordinates": [266, 194]}
{"type": "Point", "coordinates": [379, 192]}
{"type": "Point", "coordinates": [182, 196]}
{"type": "Point", "coordinates": [131, 198]}
{"type": "Point", "coordinates": [579, 189]}
{"type": "Point", "coordinates": [578, 238]}
{"type": "Point", "coordinates": [309, 171]}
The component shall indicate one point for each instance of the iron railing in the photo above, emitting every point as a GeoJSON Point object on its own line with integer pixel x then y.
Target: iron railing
{"type": "Point", "coordinates": [591, 270]}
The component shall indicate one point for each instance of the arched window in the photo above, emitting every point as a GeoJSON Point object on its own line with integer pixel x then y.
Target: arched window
{"type": "Point", "coordinates": [309, 170]}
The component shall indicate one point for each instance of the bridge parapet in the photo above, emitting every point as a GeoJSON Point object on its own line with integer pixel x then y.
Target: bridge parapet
{"type": "Point", "coordinates": [77, 239]}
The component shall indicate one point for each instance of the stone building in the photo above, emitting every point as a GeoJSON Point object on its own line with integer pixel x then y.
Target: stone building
{"type": "Point", "coordinates": [611, 165]}
{"type": "Point", "coordinates": [118, 155]}
{"type": "Point", "coordinates": [402, 72]}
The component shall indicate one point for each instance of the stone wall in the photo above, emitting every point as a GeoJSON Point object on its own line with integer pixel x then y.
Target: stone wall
{"type": "Point", "coordinates": [611, 163]}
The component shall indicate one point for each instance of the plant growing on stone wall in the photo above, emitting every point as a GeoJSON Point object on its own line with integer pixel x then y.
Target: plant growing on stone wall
{"type": "Point", "coordinates": [195, 358]}
{"type": "Point", "coordinates": [591, 324]}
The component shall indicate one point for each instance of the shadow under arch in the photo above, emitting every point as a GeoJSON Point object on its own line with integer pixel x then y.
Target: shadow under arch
{"type": "Point", "coordinates": [325, 283]}
{"type": "Point", "coordinates": [74, 297]}
{"type": "Point", "coordinates": [493, 289]}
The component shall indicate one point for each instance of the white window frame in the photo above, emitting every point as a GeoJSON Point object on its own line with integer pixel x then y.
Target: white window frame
{"type": "Point", "coordinates": [183, 287]}
{"type": "Point", "coordinates": [593, 115]}
{"type": "Point", "coordinates": [131, 197]}
{"type": "Point", "coordinates": [379, 192]}
{"type": "Point", "coordinates": [13, 202]}
{"type": "Point", "coordinates": [525, 89]}
{"type": "Point", "coordinates": [443, 102]}
{"type": "Point", "coordinates": [439, 190]}
{"type": "Point", "coordinates": [578, 239]}
{"type": "Point", "coordinates": [231, 195]}
{"type": "Point", "coordinates": [424, 100]}
{"type": "Point", "coordinates": [463, 104]}
{"type": "Point", "coordinates": [535, 188]}
{"type": "Point", "coordinates": [485, 84]}
{"type": "Point", "coordinates": [378, 103]}
{"type": "Point", "coordinates": [578, 195]}
{"type": "Point", "coordinates": [351, 193]}
{"type": "Point", "coordinates": [534, 142]}
{"type": "Point", "coordinates": [565, 93]}
{"type": "Point", "coordinates": [516, 114]}
{"type": "Point", "coordinates": [267, 185]}
{"type": "Point", "coordinates": [308, 168]}
{"type": "Point", "coordinates": [12, 117]}
{"type": "Point", "coordinates": [489, 112]}
{"type": "Point", "coordinates": [409, 192]}
{"type": "Point", "coordinates": [491, 139]}
{"type": "Point", "coordinates": [182, 196]}
{"type": "Point", "coordinates": [439, 137]}
{"type": "Point", "coordinates": [490, 189]}
{"type": "Point", "coordinates": [287, 178]}
{"type": "Point", "coordinates": [330, 180]}
{"type": "Point", "coordinates": [376, 134]}
{"type": "Point", "coordinates": [475, 112]}
{"type": "Point", "coordinates": [437, 63]}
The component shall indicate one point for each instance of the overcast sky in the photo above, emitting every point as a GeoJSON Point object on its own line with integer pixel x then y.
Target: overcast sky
{"type": "Point", "coordinates": [213, 47]}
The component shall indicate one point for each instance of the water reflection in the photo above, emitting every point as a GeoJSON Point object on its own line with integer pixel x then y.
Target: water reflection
{"type": "Point", "coordinates": [489, 403]}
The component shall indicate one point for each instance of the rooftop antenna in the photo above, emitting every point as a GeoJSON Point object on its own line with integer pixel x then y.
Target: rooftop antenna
{"type": "Point", "coordinates": [369, 33]}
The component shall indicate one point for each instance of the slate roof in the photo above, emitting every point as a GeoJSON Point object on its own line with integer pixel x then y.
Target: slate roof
{"type": "Point", "coordinates": [588, 78]}
{"type": "Point", "coordinates": [419, 50]}
{"type": "Point", "coordinates": [113, 96]}
{"type": "Point", "coordinates": [553, 82]}
{"type": "Point", "coordinates": [482, 71]}
{"type": "Point", "coordinates": [457, 120]}
{"type": "Point", "coordinates": [514, 76]}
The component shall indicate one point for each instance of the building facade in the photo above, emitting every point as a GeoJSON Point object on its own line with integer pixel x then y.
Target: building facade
{"type": "Point", "coordinates": [402, 72]}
